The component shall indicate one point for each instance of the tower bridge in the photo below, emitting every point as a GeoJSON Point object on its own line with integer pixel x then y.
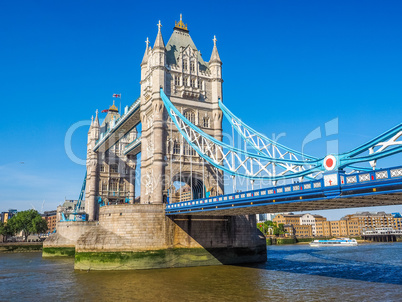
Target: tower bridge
{"type": "Point", "coordinates": [176, 126]}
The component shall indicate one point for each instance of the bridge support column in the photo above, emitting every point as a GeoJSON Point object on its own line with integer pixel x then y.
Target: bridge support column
{"type": "Point", "coordinates": [140, 236]}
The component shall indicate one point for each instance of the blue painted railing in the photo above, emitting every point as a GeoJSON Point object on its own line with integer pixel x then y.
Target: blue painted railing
{"type": "Point", "coordinates": [290, 190]}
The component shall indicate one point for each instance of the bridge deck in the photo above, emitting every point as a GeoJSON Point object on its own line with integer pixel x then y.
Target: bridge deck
{"type": "Point", "coordinates": [124, 124]}
{"type": "Point", "coordinates": [134, 147]}
{"type": "Point", "coordinates": [376, 188]}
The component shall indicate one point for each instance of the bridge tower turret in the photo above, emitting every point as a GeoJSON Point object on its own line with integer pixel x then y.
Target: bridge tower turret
{"type": "Point", "coordinates": [153, 77]}
{"type": "Point", "coordinates": [215, 65]}
{"type": "Point", "coordinates": [194, 86]}
{"type": "Point", "coordinates": [91, 190]}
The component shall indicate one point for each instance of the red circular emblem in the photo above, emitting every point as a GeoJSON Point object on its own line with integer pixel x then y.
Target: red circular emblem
{"type": "Point", "coordinates": [329, 162]}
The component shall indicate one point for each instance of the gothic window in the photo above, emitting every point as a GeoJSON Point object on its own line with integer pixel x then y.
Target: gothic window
{"type": "Point", "coordinates": [104, 185]}
{"type": "Point", "coordinates": [184, 64]}
{"type": "Point", "coordinates": [199, 84]}
{"type": "Point", "coordinates": [192, 83]}
{"type": "Point", "coordinates": [176, 148]}
{"type": "Point", "coordinates": [205, 122]}
{"type": "Point", "coordinates": [102, 168]}
{"type": "Point", "coordinates": [113, 184]}
{"type": "Point", "coordinates": [192, 66]}
{"type": "Point", "coordinates": [188, 150]}
{"type": "Point", "coordinates": [114, 168]}
{"type": "Point", "coordinates": [185, 82]}
{"type": "Point", "coordinates": [177, 80]}
{"type": "Point", "coordinates": [190, 116]}
{"type": "Point", "coordinates": [121, 186]}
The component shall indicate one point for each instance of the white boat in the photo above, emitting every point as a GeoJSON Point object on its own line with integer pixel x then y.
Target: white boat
{"type": "Point", "coordinates": [334, 242]}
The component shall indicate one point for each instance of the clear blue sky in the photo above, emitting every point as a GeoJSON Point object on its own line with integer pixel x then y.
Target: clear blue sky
{"type": "Point", "coordinates": [288, 66]}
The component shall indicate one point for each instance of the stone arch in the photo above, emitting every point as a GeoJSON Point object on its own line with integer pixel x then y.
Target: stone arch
{"type": "Point", "coordinates": [195, 182]}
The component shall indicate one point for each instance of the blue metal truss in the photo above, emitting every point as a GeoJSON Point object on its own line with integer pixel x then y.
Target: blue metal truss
{"type": "Point", "coordinates": [261, 165]}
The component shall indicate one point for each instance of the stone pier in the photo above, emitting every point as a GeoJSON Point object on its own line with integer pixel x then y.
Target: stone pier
{"type": "Point", "coordinates": [139, 236]}
{"type": "Point", "coordinates": [63, 242]}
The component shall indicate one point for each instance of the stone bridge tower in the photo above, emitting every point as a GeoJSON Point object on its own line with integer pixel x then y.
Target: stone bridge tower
{"type": "Point", "coordinates": [194, 86]}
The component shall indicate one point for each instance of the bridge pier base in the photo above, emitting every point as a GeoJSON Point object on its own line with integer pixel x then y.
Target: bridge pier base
{"type": "Point", "coordinates": [140, 236]}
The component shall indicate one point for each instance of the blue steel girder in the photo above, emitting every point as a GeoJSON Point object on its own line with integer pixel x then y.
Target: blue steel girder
{"type": "Point", "coordinates": [233, 160]}
{"type": "Point", "coordinates": [374, 188]}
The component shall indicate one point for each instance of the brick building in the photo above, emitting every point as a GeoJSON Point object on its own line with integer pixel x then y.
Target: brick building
{"type": "Point", "coordinates": [51, 218]}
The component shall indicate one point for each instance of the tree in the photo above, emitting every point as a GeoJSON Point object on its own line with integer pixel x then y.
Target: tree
{"type": "Point", "coordinates": [30, 222]}
{"type": "Point", "coordinates": [5, 230]}
{"type": "Point", "coordinates": [279, 230]}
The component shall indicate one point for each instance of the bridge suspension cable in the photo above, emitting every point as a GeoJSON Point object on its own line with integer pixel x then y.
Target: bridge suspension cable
{"type": "Point", "coordinates": [274, 161]}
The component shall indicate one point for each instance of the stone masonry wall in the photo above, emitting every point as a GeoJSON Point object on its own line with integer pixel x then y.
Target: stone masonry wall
{"type": "Point", "coordinates": [67, 234]}
{"type": "Point", "coordinates": [142, 227]}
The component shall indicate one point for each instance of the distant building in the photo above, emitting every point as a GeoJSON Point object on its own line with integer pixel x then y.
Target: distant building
{"type": "Point", "coordinates": [70, 205]}
{"type": "Point", "coordinates": [371, 220]}
{"type": "Point", "coordinates": [311, 219]}
{"type": "Point", "coordinates": [51, 218]}
{"type": "Point", "coordinates": [5, 216]}
{"type": "Point", "coordinates": [289, 218]}
{"type": "Point", "coordinates": [303, 225]}
{"type": "Point", "coordinates": [298, 230]}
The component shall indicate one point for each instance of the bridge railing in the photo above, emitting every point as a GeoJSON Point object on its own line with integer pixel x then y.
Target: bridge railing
{"type": "Point", "coordinates": [272, 192]}
{"type": "Point", "coordinates": [288, 190]}
{"type": "Point", "coordinates": [364, 177]}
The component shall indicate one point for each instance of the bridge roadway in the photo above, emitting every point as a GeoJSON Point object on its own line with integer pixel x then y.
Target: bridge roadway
{"type": "Point", "coordinates": [334, 191]}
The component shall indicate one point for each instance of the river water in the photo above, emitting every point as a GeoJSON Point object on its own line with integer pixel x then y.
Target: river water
{"type": "Point", "coordinates": [370, 272]}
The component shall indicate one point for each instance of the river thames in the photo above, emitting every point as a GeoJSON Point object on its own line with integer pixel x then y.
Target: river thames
{"type": "Point", "coordinates": [367, 272]}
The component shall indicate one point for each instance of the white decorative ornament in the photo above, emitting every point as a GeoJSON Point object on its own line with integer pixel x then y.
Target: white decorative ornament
{"type": "Point", "coordinates": [150, 121]}
{"type": "Point", "coordinates": [149, 183]}
{"type": "Point", "coordinates": [150, 149]}
{"type": "Point", "coordinates": [330, 180]}
{"type": "Point", "coordinates": [330, 162]}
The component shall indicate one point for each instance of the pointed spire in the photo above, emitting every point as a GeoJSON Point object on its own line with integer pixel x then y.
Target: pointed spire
{"type": "Point", "coordinates": [215, 55]}
{"type": "Point", "coordinates": [92, 121]}
{"type": "Point", "coordinates": [96, 121]}
{"type": "Point", "coordinates": [145, 58]}
{"type": "Point", "coordinates": [159, 40]}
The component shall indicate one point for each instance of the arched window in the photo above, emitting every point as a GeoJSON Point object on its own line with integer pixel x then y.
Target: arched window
{"type": "Point", "coordinates": [188, 150]}
{"type": "Point", "coordinates": [104, 185]}
{"type": "Point", "coordinates": [114, 168]}
{"type": "Point", "coordinates": [205, 122]}
{"type": "Point", "coordinates": [177, 80]}
{"type": "Point", "coordinates": [190, 116]}
{"type": "Point", "coordinates": [176, 148]}
{"type": "Point", "coordinates": [192, 66]}
{"type": "Point", "coordinates": [184, 64]}
{"type": "Point", "coordinates": [192, 83]}
{"type": "Point", "coordinates": [114, 184]}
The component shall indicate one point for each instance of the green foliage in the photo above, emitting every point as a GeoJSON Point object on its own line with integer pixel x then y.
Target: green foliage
{"type": "Point", "coordinates": [279, 230]}
{"type": "Point", "coordinates": [271, 228]}
{"type": "Point", "coordinates": [28, 221]}
{"type": "Point", "coordinates": [6, 230]}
